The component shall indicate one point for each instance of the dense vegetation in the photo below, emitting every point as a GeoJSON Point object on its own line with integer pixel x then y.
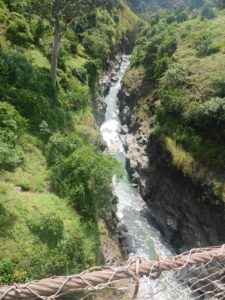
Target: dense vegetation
{"type": "Point", "coordinates": [178, 65]}
{"type": "Point", "coordinates": [55, 183]}
{"type": "Point", "coordinates": [150, 6]}
{"type": "Point", "coordinates": [49, 138]}
{"type": "Point", "coordinates": [177, 8]}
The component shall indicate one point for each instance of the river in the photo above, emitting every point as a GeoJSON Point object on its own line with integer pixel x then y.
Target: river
{"type": "Point", "coordinates": [145, 239]}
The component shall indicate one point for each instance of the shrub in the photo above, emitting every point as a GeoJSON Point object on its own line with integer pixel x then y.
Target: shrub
{"type": "Point", "coordinates": [84, 23]}
{"type": "Point", "coordinates": [204, 45]}
{"type": "Point", "coordinates": [195, 3]}
{"type": "Point", "coordinates": [172, 89]}
{"type": "Point", "coordinates": [39, 29]}
{"type": "Point", "coordinates": [97, 43]}
{"type": "Point", "coordinates": [49, 228]}
{"type": "Point", "coordinates": [207, 12]}
{"type": "Point", "coordinates": [153, 50]}
{"type": "Point", "coordinates": [10, 120]}
{"type": "Point", "coordinates": [220, 4]}
{"type": "Point", "coordinates": [18, 31]}
{"type": "Point", "coordinates": [12, 127]}
{"type": "Point", "coordinates": [175, 77]}
{"type": "Point", "coordinates": [14, 69]}
{"type": "Point", "coordinates": [154, 19]}
{"type": "Point", "coordinates": [160, 66]}
{"type": "Point", "coordinates": [167, 47]}
{"type": "Point", "coordinates": [92, 68]}
{"type": "Point", "coordinates": [6, 270]}
{"type": "Point", "coordinates": [30, 90]}
{"type": "Point", "coordinates": [181, 159]}
{"type": "Point", "coordinates": [85, 179]}
{"type": "Point", "coordinates": [211, 112]}
{"type": "Point", "coordinates": [171, 19]}
{"type": "Point", "coordinates": [61, 146]}
{"type": "Point", "coordinates": [73, 42]}
{"type": "Point", "coordinates": [18, 5]}
{"type": "Point", "coordinates": [218, 86]}
{"type": "Point", "coordinates": [182, 16]}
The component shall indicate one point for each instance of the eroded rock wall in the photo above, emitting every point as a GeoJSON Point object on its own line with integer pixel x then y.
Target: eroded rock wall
{"type": "Point", "coordinates": [179, 205]}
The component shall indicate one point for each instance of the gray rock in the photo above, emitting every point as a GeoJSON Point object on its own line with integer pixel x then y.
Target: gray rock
{"type": "Point", "coordinates": [173, 198]}
{"type": "Point", "coordinates": [115, 78]}
{"type": "Point", "coordinates": [99, 109]}
{"type": "Point", "coordinates": [124, 129]}
{"type": "Point", "coordinates": [19, 189]}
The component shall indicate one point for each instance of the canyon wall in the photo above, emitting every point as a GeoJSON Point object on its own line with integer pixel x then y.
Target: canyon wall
{"type": "Point", "coordinates": [179, 206]}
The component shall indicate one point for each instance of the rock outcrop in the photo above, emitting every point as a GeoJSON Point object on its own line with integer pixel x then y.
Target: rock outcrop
{"type": "Point", "coordinates": [114, 240]}
{"type": "Point", "coordinates": [179, 205]}
{"type": "Point", "coordinates": [109, 76]}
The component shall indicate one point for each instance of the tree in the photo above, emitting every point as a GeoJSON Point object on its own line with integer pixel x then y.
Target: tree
{"type": "Point", "coordinates": [220, 4]}
{"type": "Point", "coordinates": [62, 13]}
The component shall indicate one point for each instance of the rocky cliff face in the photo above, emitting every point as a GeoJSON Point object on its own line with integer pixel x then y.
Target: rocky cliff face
{"type": "Point", "coordinates": [179, 206]}
{"type": "Point", "coordinates": [104, 85]}
{"type": "Point", "coordinates": [114, 241]}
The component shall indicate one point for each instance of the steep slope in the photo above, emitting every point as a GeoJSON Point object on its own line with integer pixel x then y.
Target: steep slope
{"type": "Point", "coordinates": [51, 189]}
{"type": "Point", "coordinates": [172, 104]}
{"type": "Point", "coordinates": [144, 6]}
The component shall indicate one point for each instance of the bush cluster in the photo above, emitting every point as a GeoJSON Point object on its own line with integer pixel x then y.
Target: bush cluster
{"type": "Point", "coordinates": [30, 104]}
{"type": "Point", "coordinates": [210, 113]}
{"type": "Point", "coordinates": [154, 50]}
{"type": "Point", "coordinates": [85, 179]}
{"type": "Point", "coordinates": [204, 45]}
{"type": "Point", "coordinates": [18, 31]}
{"type": "Point", "coordinates": [12, 128]}
{"type": "Point", "coordinates": [172, 89]}
{"type": "Point", "coordinates": [49, 229]}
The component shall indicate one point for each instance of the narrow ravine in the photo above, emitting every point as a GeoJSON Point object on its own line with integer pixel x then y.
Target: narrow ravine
{"type": "Point", "coordinates": [145, 239]}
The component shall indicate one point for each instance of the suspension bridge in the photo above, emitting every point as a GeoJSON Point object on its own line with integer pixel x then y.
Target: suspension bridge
{"type": "Point", "coordinates": [200, 272]}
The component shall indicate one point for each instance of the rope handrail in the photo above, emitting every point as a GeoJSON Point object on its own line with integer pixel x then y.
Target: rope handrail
{"type": "Point", "coordinates": [100, 277]}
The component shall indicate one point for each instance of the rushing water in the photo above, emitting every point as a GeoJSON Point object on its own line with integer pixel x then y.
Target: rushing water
{"type": "Point", "coordinates": [145, 239]}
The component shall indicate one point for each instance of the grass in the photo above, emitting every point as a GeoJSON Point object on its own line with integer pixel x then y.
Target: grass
{"type": "Point", "coordinates": [37, 58]}
{"type": "Point", "coordinates": [33, 174]}
{"type": "Point", "coordinates": [183, 160]}
{"type": "Point", "coordinates": [134, 79]}
{"type": "Point", "coordinates": [206, 68]}
{"type": "Point", "coordinates": [76, 62]}
{"type": "Point", "coordinates": [30, 257]}
{"type": "Point", "coordinates": [85, 125]}
{"type": "Point", "coordinates": [29, 211]}
{"type": "Point", "coordinates": [128, 19]}
{"type": "Point", "coordinates": [218, 189]}
{"type": "Point", "coordinates": [192, 150]}
{"type": "Point", "coordinates": [26, 254]}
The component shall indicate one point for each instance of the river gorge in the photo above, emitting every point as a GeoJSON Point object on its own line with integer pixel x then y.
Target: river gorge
{"type": "Point", "coordinates": [145, 239]}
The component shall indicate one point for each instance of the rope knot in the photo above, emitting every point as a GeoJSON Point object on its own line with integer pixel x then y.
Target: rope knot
{"type": "Point", "coordinates": [156, 269]}
{"type": "Point", "coordinates": [18, 290]}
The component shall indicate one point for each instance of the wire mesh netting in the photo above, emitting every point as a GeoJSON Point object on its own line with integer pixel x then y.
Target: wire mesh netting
{"type": "Point", "coordinates": [198, 274]}
{"type": "Point", "coordinates": [202, 280]}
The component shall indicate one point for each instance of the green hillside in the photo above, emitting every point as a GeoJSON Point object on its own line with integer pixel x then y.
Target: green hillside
{"type": "Point", "coordinates": [47, 133]}
{"type": "Point", "coordinates": [151, 6]}
{"type": "Point", "coordinates": [177, 69]}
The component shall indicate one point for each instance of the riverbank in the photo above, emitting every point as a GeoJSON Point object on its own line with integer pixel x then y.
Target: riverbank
{"type": "Point", "coordinates": [140, 238]}
{"type": "Point", "coordinates": [179, 205]}
{"type": "Point", "coordinates": [114, 244]}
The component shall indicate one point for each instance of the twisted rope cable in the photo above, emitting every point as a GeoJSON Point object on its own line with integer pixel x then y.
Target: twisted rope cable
{"type": "Point", "coordinates": [101, 277]}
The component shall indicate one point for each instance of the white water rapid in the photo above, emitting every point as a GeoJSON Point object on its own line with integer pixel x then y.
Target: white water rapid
{"type": "Point", "coordinates": [145, 239]}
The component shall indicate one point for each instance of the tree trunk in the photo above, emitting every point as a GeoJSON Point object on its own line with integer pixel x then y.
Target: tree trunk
{"type": "Point", "coordinates": [55, 51]}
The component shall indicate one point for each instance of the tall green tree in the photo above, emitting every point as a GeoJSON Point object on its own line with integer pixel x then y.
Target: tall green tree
{"type": "Point", "coordinates": [62, 13]}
